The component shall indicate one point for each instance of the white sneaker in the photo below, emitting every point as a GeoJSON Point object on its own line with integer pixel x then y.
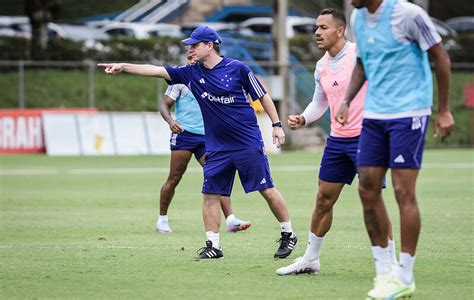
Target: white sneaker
{"type": "Point", "coordinates": [300, 266]}
{"type": "Point", "coordinates": [238, 225]}
{"type": "Point", "coordinates": [388, 286]}
{"type": "Point", "coordinates": [163, 227]}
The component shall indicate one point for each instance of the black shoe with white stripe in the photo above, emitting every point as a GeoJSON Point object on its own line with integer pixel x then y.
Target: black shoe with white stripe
{"type": "Point", "coordinates": [287, 242]}
{"type": "Point", "coordinates": [209, 252]}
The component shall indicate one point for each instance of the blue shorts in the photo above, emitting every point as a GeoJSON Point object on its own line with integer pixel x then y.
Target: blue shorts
{"type": "Point", "coordinates": [188, 141]}
{"type": "Point", "coordinates": [396, 143]}
{"type": "Point", "coordinates": [338, 164]}
{"type": "Point", "coordinates": [220, 167]}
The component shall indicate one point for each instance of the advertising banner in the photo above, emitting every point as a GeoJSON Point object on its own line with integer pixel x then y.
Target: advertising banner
{"type": "Point", "coordinates": [61, 134]}
{"type": "Point", "coordinates": [111, 133]}
{"type": "Point", "coordinates": [95, 134]}
{"type": "Point", "coordinates": [21, 130]}
{"type": "Point", "coordinates": [158, 132]}
{"type": "Point", "coordinates": [130, 134]}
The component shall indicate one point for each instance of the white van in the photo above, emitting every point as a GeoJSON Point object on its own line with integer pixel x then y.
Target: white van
{"type": "Point", "coordinates": [263, 25]}
{"type": "Point", "coordinates": [142, 30]}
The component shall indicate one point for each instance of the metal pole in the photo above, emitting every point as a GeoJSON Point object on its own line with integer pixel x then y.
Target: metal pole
{"type": "Point", "coordinates": [282, 51]}
{"type": "Point", "coordinates": [348, 11]}
{"type": "Point", "coordinates": [21, 84]}
{"type": "Point", "coordinates": [292, 91]}
{"type": "Point", "coordinates": [91, 85]}
{"type": "Point", "coordinates": [159, 94]}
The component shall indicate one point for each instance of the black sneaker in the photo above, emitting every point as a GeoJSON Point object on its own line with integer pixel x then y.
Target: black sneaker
{"type": "Point", "coordinates": [209, 252]}
{"type": "Point", "coordinates": [287, 244]}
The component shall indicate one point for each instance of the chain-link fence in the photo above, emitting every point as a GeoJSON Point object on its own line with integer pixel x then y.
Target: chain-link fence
{"type": "Point", "coordinates": [71, 84]}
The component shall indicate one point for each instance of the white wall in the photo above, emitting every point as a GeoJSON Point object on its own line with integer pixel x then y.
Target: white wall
{"type": "Point", "coordinates": [115, 133]}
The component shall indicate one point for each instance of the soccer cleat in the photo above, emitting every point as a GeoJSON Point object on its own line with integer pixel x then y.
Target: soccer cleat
{"type": "Point", "coordinates": [209, 252]}
{"type": "Point", "coordinates": [163, 227]}
{"type": "Point", "coordinates": [379, 281]}
{"type": "Point", "coordinates": [300, 266]}
{"type": "Point", "coordinates": [238, 225]}
{"type": "Point", "coordinates": [389, 287]}
{"type": "Point", "coordinates": [287, 242]}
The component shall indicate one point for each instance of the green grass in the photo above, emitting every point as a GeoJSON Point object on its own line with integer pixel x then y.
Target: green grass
{"type": "Point", "coordinates": [83, 236]}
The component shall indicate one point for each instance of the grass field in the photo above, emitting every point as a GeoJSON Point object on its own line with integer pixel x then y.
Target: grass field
{"type": "Point", "coordinates": [83, 228]}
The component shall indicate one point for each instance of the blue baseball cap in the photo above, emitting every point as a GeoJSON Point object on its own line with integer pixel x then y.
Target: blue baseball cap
{"type": "Point", "coordinates": [202, 34]}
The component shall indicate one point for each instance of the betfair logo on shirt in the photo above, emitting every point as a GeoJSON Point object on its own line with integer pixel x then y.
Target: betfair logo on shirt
{"type": "Point", "coordinates": [221, 99]}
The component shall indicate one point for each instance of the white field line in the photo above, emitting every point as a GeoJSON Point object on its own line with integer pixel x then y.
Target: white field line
{"type": "Point", "coordinates": [72, 246]}
{"type": "Point", "coordinates": [90, 171]}
{"type": "Point", "coordinates": [28, 172]}
{"type": "Point", "coordinates": [166, 170]}
{"type": "Point", "coordinates": [122, 170]}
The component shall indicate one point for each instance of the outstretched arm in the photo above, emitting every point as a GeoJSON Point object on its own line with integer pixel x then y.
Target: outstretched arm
{"type": "Point", "coordinates": [357, 81]}
{"type": "Point", "coordinates": [269, 106]}
{"type": "Point", "coordinates": [142, 70]}
{"type": "Point", "coordinates": [444, 121]}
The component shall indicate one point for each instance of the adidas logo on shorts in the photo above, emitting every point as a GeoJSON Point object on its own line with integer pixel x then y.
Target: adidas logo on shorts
{"type": "Point", "coordinates": [416, 123]}
{"type": "Point", "coordinates": [399, 159]}
{"type": "Point", "coordinates": [263, 181]}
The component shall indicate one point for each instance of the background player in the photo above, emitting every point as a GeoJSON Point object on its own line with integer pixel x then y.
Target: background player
{"type": "Point", "coordinates": [338, 164]}
{"type": "Point", "coordinates": [393, 38]}
{"type": "Point", "coordinates": [187, 138]}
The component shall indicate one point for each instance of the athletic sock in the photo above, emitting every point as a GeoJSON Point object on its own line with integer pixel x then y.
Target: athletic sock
{"type": "Point", "coordinates": [393, 255]}
{"type": "Point", "coordinates": [286, 226]}
{"type": "Point", "coordinates": [214, 238]}
{"type": "Point", "coordinates": [405, 273]}
{"type": "Point", "coordinates": [163, 218]}
{"type": "Point", "coordinates": [382, 260]}
{"type": "Point", "coordinates": [230, 218]}
{"type": "Point", "coordinates": [314, 247]}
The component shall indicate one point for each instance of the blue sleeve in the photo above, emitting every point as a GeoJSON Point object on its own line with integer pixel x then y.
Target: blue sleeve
{"type": "Point", "coordinates": [180, 74]}
{"type": "Point", "coordinates": [251, 84]}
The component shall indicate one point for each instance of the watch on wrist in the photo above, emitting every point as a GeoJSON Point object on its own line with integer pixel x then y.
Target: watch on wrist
{"type": "Point", "coordinates": [277, 124]}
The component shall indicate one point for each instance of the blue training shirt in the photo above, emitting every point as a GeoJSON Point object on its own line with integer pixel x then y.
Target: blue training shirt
{"type": "Point", "coordinates": [229, 120]}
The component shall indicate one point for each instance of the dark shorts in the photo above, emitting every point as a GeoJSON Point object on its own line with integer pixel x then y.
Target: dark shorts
{"type": "Point", "coordinates": [186, 140]}
{"type": "Point", "coordinates": [220, 167]}
{"type": "Point", "coordinates": [396, 143]}
{"type": "Point", "coordinates": [338, 164]}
